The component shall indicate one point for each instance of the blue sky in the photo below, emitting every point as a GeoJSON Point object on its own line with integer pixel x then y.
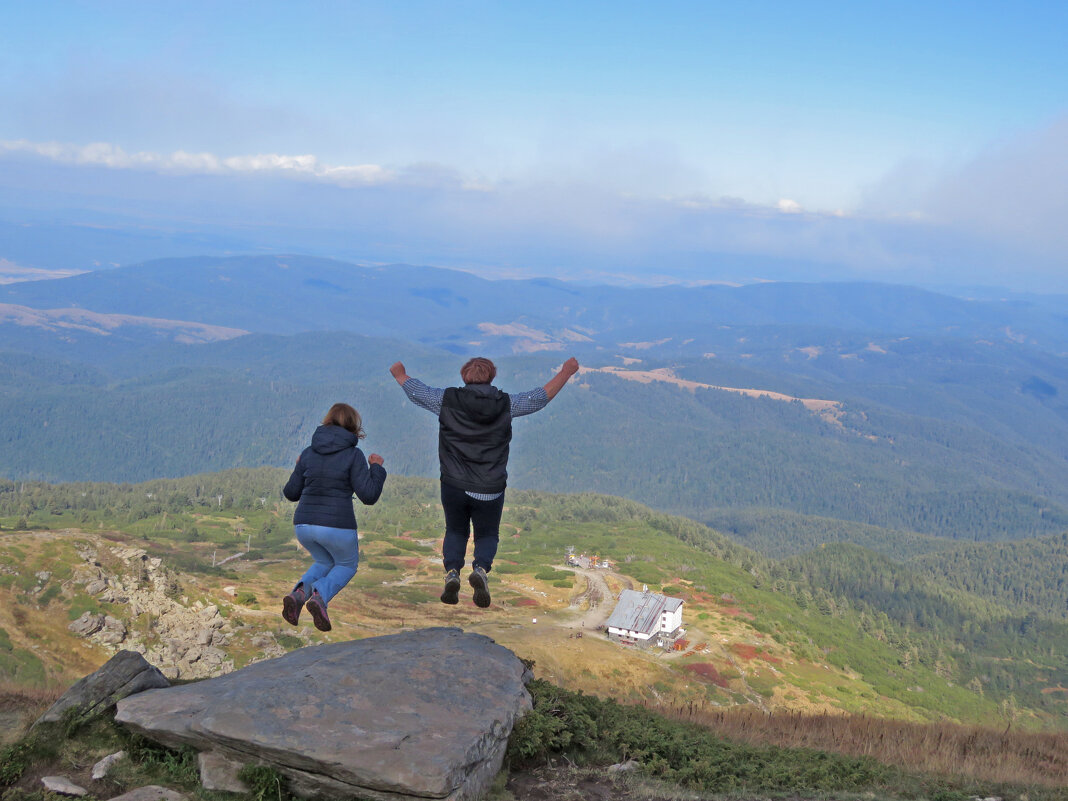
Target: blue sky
{"type": "Point", "coordinates": [901, 124]}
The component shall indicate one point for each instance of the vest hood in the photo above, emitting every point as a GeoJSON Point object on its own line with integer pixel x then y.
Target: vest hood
{"type": "Point", "coordinates": [331, 439]}
{"type": "Point", "coordinates": [483, 403]}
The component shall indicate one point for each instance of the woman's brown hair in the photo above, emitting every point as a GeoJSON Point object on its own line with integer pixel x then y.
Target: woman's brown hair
{"type": "Point", "coordinates": [478, 370]}
{"type": "Point", "coordinates": [341, 414]}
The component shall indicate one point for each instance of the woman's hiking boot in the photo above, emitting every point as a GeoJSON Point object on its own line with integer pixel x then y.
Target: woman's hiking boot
{"type": "Point", "coordinates": [451, 593]}
{"type": "Point", "coordinates": [480, 583]}
{"type": "Point", "coordinates": [292, 604]}
{"type": "Point", "coordinates": [317, 608]}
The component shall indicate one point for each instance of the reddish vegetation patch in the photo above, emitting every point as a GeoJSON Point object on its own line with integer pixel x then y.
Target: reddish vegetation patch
{"type": "Point", "coordinates": [769, 658]}
{"type": "Point", "coordinates": [730, 611]}
{"type": "Point", "coordinates": [1049, 690]}
{"type": "Point", "coordinates": [526, 602]}
{"type": "Point", "coordinates": [708, 672]}
{"type": "Point", "coordinates": [414, 562]}
{"type": "Point", "coordinates": [744, 651]}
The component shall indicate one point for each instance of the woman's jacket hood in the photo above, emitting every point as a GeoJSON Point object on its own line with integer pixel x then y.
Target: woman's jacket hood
{"type": "Point", "coordinates": [331, 439]}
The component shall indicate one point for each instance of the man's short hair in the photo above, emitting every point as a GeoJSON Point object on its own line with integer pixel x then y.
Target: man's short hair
{"type": "Point", "coordinates": [478, 371]}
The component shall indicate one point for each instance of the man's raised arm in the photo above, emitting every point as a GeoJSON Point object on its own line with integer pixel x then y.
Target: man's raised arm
{"type": "Point", "coordinates": [556, 383]}
{"type": "Point", "coordinates": [399, 373]}
{"type": "Point", "coordinates": [420, 394]}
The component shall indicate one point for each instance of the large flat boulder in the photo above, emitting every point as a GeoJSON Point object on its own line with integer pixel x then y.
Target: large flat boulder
{"type": "Point", "coordinates": [420, 715]}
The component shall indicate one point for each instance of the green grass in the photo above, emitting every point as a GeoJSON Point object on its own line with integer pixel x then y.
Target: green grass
{"type": "Point", "coordinates": [672, 554]}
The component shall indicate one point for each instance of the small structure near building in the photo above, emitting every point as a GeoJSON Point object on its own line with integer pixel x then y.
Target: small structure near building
{"type": "Point", "coordinates": [586, 562]}
{"type": "Point", "coordinates": [645, 618]}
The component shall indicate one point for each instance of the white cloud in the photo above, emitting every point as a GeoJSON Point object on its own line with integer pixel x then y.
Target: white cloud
{"type": "Point", "coordinates": [1013, 191]}
{"type": "Point", "coordinates": [787, 206]}
{"type": "Point", "coordinates": [104, 154]}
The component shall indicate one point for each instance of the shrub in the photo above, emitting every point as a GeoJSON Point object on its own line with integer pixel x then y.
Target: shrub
{"type": "Point", "coordinates": [49, 594]}
{"type": "Point", "coordinates": [289, 642]}
{"type": "Point", "coordinates": [551, 574]}
{"type": "Point", "coordinates": [80, 605]}
{"type": "Point", "coordinates": [585, 728]}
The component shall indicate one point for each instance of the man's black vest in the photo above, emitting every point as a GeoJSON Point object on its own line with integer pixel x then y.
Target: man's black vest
{"type": "Point", "coordinates": [475, 427]}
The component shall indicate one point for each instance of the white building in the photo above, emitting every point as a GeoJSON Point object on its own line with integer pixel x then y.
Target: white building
{"type": "Point", "coordinates": [645, 618]}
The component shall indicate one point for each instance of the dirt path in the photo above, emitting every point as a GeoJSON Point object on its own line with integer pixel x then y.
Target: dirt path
{"type": "Point", "coordinates": [597, 597]}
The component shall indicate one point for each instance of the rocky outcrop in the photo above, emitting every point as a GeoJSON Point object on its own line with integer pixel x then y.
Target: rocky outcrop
{"type": "Point", "coordinates": [185, 641]}
{"type": "Point", "coordinates": [418, 715]}
{"type": "Point", "coordinates": [124, 674]}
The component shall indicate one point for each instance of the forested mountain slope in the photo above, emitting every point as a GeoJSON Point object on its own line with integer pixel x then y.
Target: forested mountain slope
{"type": "Point", "coordinates": [254, 400]}
{"type": "Point", "coordinates": [1030, 576]}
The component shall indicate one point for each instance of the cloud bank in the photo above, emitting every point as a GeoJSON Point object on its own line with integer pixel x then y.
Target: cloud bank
{"type": "Point", "coordinates": [104, 154]}
{"type": "Point", "coordinates": [994, 220]}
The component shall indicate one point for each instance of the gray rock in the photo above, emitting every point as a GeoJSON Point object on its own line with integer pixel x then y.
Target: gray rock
{"type": "Point", "coordinates": [406, 717]}
{"type": "Point", "coordinates": [101, 768]}
{"type": "Point", "coordinates": [62, 785]}
{"type": "Point", "coordinates": [624, 767]}
{"type": "Point", "coordinates": [87, 624]}
{"type": "Point", "coordinates": [152, 792]}
{"type": "Point", "coordinates": [124, 674]}
{"type": "Point", "coordinates": [114, 631]}
{"type": "Point", "coordinates": [220, 772]}
{"type": "Point", "coordinates": [96, 587]}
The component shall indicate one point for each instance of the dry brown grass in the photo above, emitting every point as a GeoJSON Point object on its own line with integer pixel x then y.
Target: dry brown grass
{"type": "Point", "coordinates": [21, 706]}
{"type": "Point", "coordinates": [13, 696]}
{"type": "Point", "coordinates": [941, 748]}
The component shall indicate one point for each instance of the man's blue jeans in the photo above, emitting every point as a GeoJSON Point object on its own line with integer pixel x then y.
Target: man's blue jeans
{"type": "Point", "coordinates": [337, 554]}
{"type": "Point", "coordinates": [462, 512]}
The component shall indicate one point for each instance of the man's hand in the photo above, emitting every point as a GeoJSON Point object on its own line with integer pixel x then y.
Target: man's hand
{"type": "Point", "coordinates": [556, 383]}
{"type": "Point", "coordinates": [374, 458]}
{"type": "Point", "coordinates": [399, 373]}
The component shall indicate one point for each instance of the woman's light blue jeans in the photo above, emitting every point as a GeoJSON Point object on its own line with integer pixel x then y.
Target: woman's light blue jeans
{"type": "Point", "coordinates": [337, 554]}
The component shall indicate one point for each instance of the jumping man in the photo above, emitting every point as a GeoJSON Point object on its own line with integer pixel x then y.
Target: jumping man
{"type": "Point", "coordinates": [474, 430]}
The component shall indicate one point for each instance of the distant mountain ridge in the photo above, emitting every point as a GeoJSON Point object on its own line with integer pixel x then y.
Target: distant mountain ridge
{"type": "Point", "coordinates": [289, 294]}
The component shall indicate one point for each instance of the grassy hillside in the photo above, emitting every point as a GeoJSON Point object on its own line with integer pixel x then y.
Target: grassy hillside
{"type": "Point", "coordinates": [758, 632]}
